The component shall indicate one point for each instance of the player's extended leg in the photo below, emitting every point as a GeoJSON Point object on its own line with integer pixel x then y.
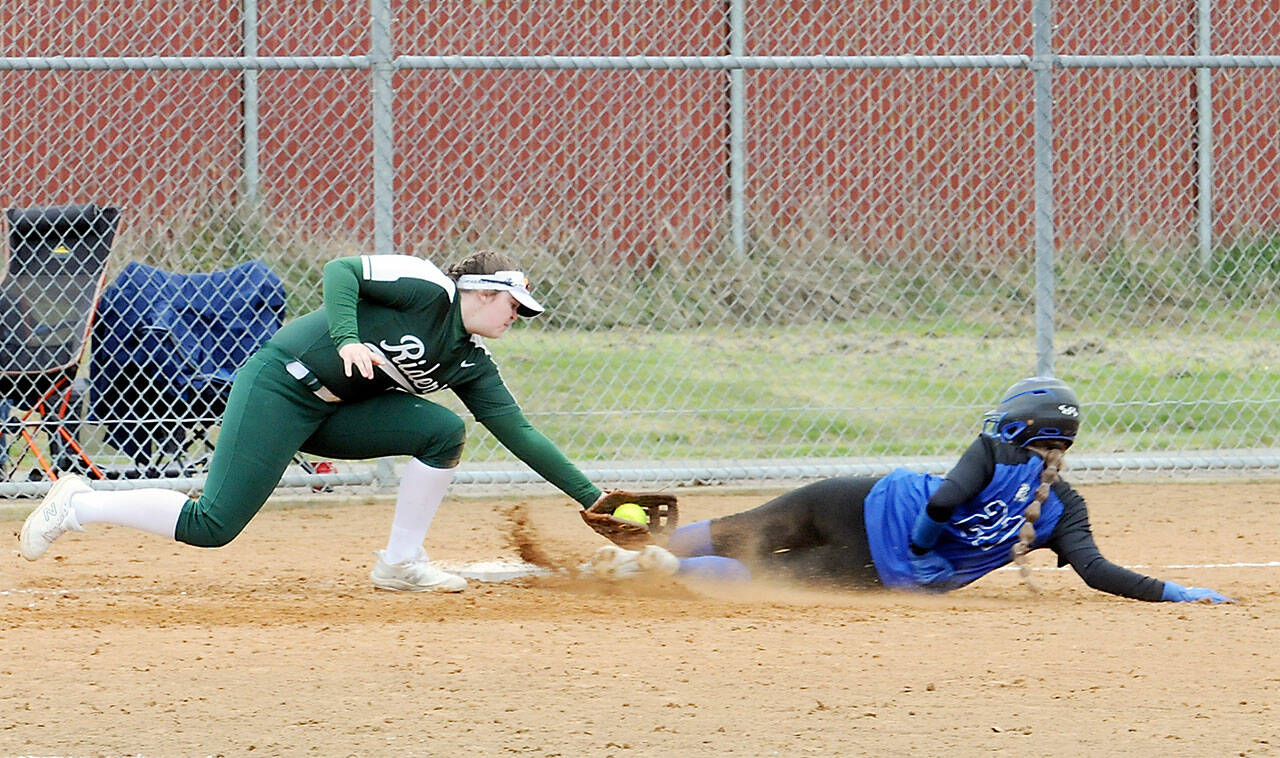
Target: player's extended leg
{"type": "Point", "coordinates": [835, 565]}
{"type": "Point", "coordinates": [813, 531]}
{"type": "Point", "coordinates": [841, 555]}
{"type": "Point", "coordinates": [268, 415]}
{"type": "Point", "coordinates": [797, 519]}
{"type": "Point", "coordinates": [401, 424]}
{"type": "Point", "coordinates": [784, 523]}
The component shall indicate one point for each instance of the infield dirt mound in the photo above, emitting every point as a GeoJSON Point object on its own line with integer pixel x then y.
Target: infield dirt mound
{"type": "Point", "coordinates": [119, 643]}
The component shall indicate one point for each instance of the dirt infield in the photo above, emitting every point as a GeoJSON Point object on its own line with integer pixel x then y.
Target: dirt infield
{"type": "Point", "coordinates": [118, 643]}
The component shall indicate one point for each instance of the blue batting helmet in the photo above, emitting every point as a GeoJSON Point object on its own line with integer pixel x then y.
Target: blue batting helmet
{"type": "Point", "coordinates": [1037, 409]}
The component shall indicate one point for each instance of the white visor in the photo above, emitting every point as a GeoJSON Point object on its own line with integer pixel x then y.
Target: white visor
{"type": "Point", "coordinates": [505, 281]}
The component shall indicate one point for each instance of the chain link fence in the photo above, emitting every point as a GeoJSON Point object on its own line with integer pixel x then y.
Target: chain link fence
{"type": "Point", "coordinates": [777, 240]}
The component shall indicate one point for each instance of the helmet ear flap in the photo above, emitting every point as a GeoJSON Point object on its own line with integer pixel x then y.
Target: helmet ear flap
{"type": "Point", "coordinates": [1013, 431]}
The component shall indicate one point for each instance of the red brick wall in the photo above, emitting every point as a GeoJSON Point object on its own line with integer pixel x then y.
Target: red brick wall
{"type": "Point", "coordinates": [939, 159]}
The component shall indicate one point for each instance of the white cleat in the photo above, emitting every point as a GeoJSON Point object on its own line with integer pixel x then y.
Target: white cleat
{"type": "Point", "coordinates": [657, 560]}
{"type": "Point", "coordinates": [612, 563]}
{"type": "Point", "coordinates": [414, 575]}
{"type": "Point", "coordinates": [49, 520]}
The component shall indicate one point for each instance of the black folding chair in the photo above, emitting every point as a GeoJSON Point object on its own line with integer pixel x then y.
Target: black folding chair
{"type": "Point", "coordinates": [54, 274]}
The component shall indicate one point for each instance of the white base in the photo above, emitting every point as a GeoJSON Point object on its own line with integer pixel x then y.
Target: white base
{"type": "Point", "coordinates": [494, 571]}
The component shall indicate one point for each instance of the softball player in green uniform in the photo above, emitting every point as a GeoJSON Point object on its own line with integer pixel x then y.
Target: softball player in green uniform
{"type": "Point", "coordinates": [346, 382]}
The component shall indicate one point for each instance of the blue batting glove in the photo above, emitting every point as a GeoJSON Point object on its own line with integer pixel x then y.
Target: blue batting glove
{"type": "Point", "coordinates": [1176, 593]}
{"type": "Point", "coordinates": [930, 570]}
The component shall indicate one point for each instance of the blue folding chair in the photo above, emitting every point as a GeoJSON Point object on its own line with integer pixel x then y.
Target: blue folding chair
{"type": "Point", "coordinates": [166, 347]}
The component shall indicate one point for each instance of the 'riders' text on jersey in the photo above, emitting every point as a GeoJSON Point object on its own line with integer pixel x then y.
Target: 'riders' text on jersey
{"type": "Point", "coordinates": [407, 312]}
{"type": "Point", "coordinates": [986, 494]}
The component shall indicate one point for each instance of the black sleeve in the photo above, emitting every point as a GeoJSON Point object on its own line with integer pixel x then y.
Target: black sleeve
{"type": "Point", "coordinates": [965, 480]}
{"type": "Point", "coordinates": [1073, 541]}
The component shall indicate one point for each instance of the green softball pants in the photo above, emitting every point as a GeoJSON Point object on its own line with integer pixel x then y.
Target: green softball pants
{"type": "Point", "coordinates": [270, 417]}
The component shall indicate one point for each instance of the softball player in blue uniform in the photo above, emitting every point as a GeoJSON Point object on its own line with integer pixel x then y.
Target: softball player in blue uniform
{"type": "Point", "coordinates": [919, 531]}
{"type": "Point", "coordinates": [345, 382]}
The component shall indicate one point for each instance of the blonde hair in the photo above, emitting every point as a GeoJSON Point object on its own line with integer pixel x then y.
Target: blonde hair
{"type": "Point", "coordinates": [1027, 532]}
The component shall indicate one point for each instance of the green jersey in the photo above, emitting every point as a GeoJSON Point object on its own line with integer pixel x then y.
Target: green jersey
{"type": "Point", "coordinates": [407, 312]}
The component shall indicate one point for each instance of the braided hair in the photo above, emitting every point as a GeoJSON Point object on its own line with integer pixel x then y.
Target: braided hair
{"type": "Point", "coordinates": [1027, 532]}
{"type": "Point", "coordinates": [1041, 414]}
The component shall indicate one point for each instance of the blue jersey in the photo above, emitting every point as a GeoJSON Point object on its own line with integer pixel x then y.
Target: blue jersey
{"type": "Point", "coordinates": [990, 489]}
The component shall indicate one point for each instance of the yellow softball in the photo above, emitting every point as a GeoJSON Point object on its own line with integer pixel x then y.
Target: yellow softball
{"type": "Point", "coordinates": [631, 512]}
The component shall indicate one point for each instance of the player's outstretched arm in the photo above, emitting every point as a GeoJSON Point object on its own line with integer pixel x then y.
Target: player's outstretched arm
{"type": "Point", "coordinates": [1073, 541]}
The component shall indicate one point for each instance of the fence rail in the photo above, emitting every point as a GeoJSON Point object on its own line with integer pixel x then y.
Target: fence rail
{"type": "Point", "coordinates": [629, 62]}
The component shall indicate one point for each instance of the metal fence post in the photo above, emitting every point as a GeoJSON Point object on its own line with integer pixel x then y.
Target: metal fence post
{"type": "Point", "coordinates": [1204, 135]}
{"type": "Point", "coordinates": [249, 159]}
{"type": "Point", "coordinates": [1042, 83]}
{"type": "Point", "coordinates": [384, 148]}
{"type": "Point", "coordinates": [737, 131]}
{"type": "Point", "coordinates": [382, 71]}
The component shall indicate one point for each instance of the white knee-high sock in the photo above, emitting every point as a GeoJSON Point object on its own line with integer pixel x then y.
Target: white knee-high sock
{"type": "Point", "coordinates": [421, 490]}
{"type": "Point", "coordinates": [151, 510]}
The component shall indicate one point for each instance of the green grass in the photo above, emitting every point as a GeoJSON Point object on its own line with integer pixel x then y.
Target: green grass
{"type": "Point", "coordinates": [765, 393]}
{"type": "Point", "coordinates": [833, 349]}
